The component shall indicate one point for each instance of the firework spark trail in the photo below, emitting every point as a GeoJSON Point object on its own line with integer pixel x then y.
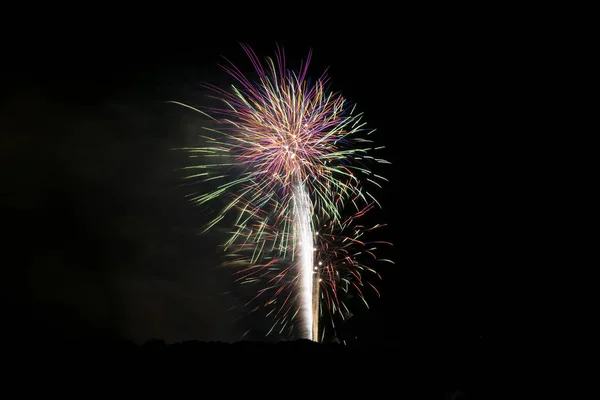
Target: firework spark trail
{"type": "Point", "coordinates": [316, 303]}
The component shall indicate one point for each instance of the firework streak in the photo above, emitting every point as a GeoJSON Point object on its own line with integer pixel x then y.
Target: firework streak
{"type": "Point", "coordinates": [290, 159]}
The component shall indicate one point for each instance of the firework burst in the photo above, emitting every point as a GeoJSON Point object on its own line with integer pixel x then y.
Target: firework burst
{"type": "Point", "coordinates": [285, 155]}
{"type": "Point", "coordinates": [345, 266]}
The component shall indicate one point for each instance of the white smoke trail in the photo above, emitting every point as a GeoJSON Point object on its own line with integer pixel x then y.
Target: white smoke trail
{"type": "Point", "coordinates": [304, 237]}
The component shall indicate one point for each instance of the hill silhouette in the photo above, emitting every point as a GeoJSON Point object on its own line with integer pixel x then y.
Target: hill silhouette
{"type": "Point", "coordinates": [413, 371]}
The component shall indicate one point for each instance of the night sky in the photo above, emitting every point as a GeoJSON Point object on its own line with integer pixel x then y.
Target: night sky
{"type": "Point", "coordinates": [100, 233]}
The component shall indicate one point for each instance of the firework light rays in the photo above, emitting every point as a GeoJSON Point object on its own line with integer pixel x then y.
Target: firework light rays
{"type": "Point", "coordinates": [285, 156]}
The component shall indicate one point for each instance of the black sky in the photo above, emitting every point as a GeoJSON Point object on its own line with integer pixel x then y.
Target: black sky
{"type": "Point", "coordinates": [97, 220]}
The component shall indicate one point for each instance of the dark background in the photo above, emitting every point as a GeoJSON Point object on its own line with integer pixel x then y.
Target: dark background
{"type": "Point", "coordinates": [101, 241]}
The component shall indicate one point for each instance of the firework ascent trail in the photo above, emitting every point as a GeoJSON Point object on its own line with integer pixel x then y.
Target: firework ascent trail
{"type": "Point", "coordinates": [304, 235]}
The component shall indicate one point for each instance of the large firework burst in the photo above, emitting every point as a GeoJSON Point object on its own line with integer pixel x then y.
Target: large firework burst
{"type": "Point", "coordinates": [287, 155]}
